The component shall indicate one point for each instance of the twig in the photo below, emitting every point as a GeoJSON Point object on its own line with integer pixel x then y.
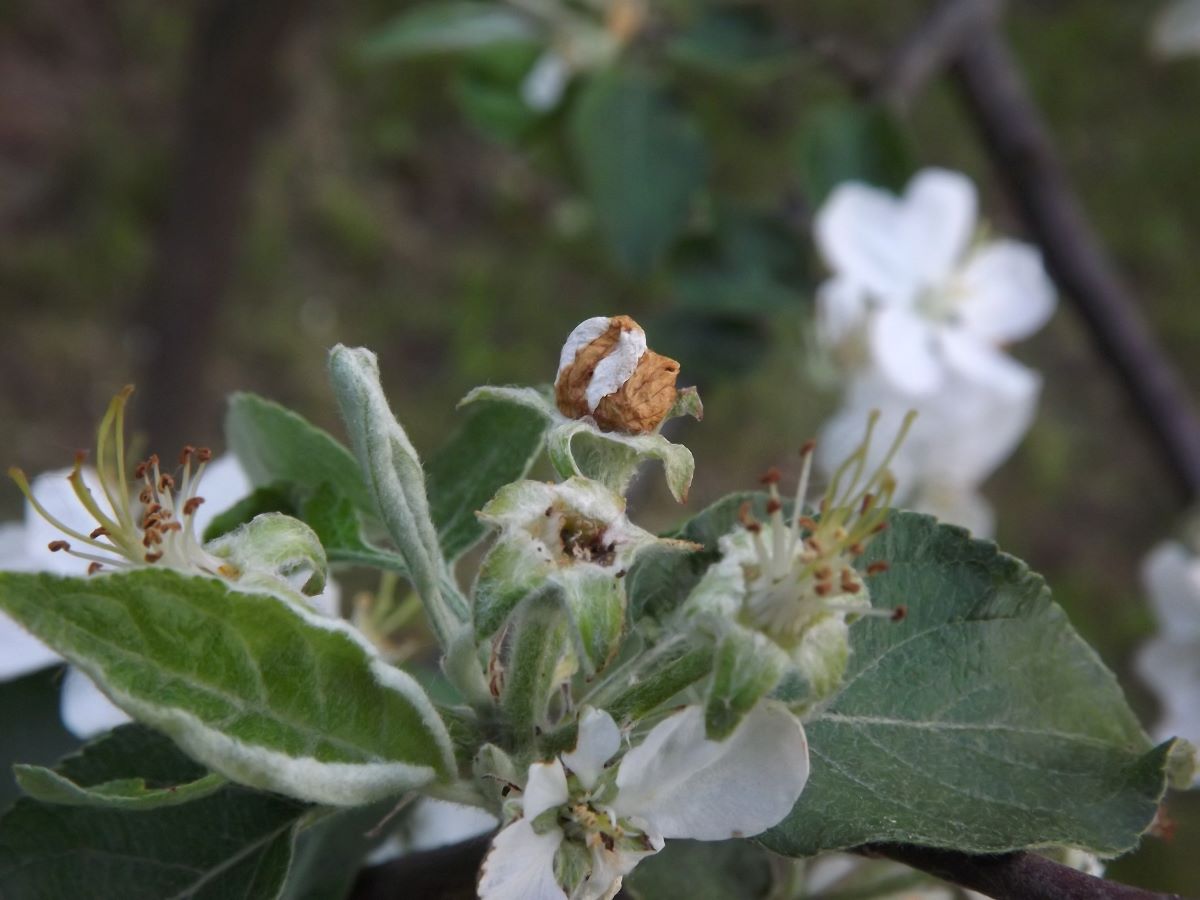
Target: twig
{"type": "Point", "coordinates": [1012, 876]}
{"type": "Point", "coordinates": [1024, 157]}
{"type": "Point", "coordinates": [930, 48]}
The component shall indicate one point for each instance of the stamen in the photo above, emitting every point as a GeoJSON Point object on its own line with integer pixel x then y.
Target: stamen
{"type": "Point", "coordinates": [93, 568]}
{"type": "Point", "coordinates": [23, 484]}
{"type": "Point", "coordinates": [56, 546]}
{"type": "Point", "coordinates": [878, 567]}
{"type": "Point", "coordinates": [99, 533]}
{"type": "Point", "coordinates": [192, 505]}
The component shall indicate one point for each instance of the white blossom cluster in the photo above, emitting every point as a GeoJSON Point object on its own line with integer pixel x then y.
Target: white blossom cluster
{"type": "Point", "coordinates": [917, 314]}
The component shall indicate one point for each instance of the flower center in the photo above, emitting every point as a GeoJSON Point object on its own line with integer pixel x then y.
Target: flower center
{"type": "Point", "coordinates": [804, 566]}
{"type": "Point", "coordinates": [163, 531]}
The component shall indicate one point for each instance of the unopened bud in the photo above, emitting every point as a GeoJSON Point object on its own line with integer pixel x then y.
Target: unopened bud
{"type": "Point", "coordinates": [607, 372]}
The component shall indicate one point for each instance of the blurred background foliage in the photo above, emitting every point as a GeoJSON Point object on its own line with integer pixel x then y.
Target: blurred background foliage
{"type": "Point", "coordinates": [415, 203]}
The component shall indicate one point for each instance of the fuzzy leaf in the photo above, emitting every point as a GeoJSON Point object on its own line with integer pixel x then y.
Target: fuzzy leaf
{"type": "Point", "coordinates": [642, 161]}
{"type": "Point", "coordinates": [448, 27]}
{"type": "Point", "coordinates": [275, 444]}
{"type": "Point", "coordinates": [48, 786]}
{"type": "Point", "coordinates": [252, 685]}
{"type": "Point", "coordinates": [397, 482]}
{"type": "Point", "coordinates": [982, 722]}
{"type": "Point", "coordinates": [234, 842]}
{"type": "Point", "coordinates": [495, 444]}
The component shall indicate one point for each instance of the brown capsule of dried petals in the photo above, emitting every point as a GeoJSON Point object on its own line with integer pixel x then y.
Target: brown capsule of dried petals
{"type": "Point", "coordinates": [607, 372]}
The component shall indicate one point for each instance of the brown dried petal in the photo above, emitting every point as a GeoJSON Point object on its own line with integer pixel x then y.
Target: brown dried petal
{"type": "Point", "coordinates": [570, 390]}
{"type": "Point", "coordinates": [644, 400]}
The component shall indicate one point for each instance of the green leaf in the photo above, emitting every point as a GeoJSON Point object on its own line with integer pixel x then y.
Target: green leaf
{"type": "Point", "coordinates": [738, 43]}
{"type": "Point", "coordinates": [642, 161]}
{"type": "Point", "coordinates": [276, 547]}
{"type": "Point", "coordinates": [982, 722]}
{"type": "Point", "coordinates": [652, 678]}
{"type": "Point", "coordinates": [747, 666]}
{"type": "Point", "coordinates": [703, 870]}
{"type": "Point", "coordinates": [330, 853]}
{"type": "Point", "coordinates": [534, 663]}
{"type": "Point", "coordinates": [275, 444]}
{"type": "Point", "coordinates": [232, 843]}
{"type": "Point", "coordinates": [121, 793]}
{"type": "Point", "coordinates": [578, 447]}
{"type": "Point", "coordinates": [252, 685]}
{"type": "Point", "coordinates": [853, 142]}
{"type": "Point", "coordinates": [495, 444]}
{"type": "Point", "coordinates": [664, 575]}
{"type": "Point", "coordinates": [336, 523]}
{"type": "Point", "coordinates": [273, 498]}
{"type": "Point", "coordinates": [449, 27]}
{"type": "Point", "coordinates": [397, 483]}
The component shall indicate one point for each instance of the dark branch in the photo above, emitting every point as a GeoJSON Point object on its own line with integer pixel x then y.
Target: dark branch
{"type": "Point", "coordinates": [1011, 876]}
{"type": "Point", "coordinates": [1024, 156]}
{"type": "Point", "coordinates": [931, 48]}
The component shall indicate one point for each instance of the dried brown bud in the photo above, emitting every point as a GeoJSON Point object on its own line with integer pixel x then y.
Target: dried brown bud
{"type": "Point", "coordinates": [607, 372]}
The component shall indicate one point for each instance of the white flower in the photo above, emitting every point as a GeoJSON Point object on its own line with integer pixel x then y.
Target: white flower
{"type": "Point", "coordinates": [80, 521]}
{"type": "Point", "coordinates": [25, 547]}
{"type": "Point", "coordinates": [961, 435]}
{"type": "Point", "coordinates": [908, 283]}
{"type": "Point", "coordinates": [588, 826]}
{"type": "Point", "coordinates": [1170, 662]}
{"type": "Point", "coordinates": [1176, 30]}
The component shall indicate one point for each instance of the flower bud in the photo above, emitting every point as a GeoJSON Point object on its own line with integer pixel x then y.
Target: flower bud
{"type": "Point", "coordinates": [607, 372]}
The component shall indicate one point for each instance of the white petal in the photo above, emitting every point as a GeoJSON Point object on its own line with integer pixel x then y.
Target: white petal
{"type": "Point", "coordinates": [582, 335]}
{"type": "Point", "coordinates": [841, 310]}
{"type": "Point", "coordinates": [937, 222]}
{"type": "Point", "coordinates": [903, 346]}
{"type": "Point", "coordinates": [598, 742]}
{"type": "Point", "coordinates": [966, 431]}
{"type": "Point", "coordinates": [223, 484]}
{"type": "Point", "coordinates": [520, 865]}
{"type": "Point", "coordinates": [858, 231]}
{"type": "Point", "coordinates": [545, 789]}
{"type": "Point", "coordinates": [609, 869]}
{"type": "Point", "coordinates": [329, 601]}
{"type": "Point", "coordinates": [614, 370]}
{"type": "Point", "coordinates": [543, 86]}
{"type": "Point", "coordinates": [961, 505]}
{"type": "Point", "coordinates": [1171, 576]}
{"type": "Point", "coordinates": [686, 786]}
{"type": "Point", "coordinates": [1172, 669]}
{"type": "Point", "coordinates": [981, 363]}
{"type": "Point", "coordinates": [20, 652]}
{"type": "Point", "coordinates": [437, 823]}
{"type": "Point", "coordinates": [85, 710]}
{"type": "Point", "coordinates": [1176, 30]}
{"type": "Point", "coordinates": [14, 557]}
{"type": "Point", "coordinates": [54, 492]}
{"type": "Point", "coordinates": [1007, 293]}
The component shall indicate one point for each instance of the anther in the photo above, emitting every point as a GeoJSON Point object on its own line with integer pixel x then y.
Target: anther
{"type": "Point", "coordinates": [878, 567]}
{"type": "Point", "coordinates": [773, 506]}
{"type": "Point", "coordinates": [868, 501]}
{"type": "Point", "coordinates": [185, 454]}
{"type": "Point", "coordinates": [203, 454]}
{"type": "Point", "coordinates": [154, 557]}
{"type": "Point", "coordinates": [99, 533]}
{"type": "Point", "coordinates": [807, 523]}
{"type": "Point", "coordinates": [139, 471]}
{"type": "Point", "coordinates": [94, 568]}
{"type": "Point", "coordinates": [772, 476]}
{"type": "Point", "coordinates": [900, 613]}
{"type": "Point", "coordinates": [80, 457]}
{"type": "Point", "coordinates": [808, 447]}
{"type": "Point", "coordinates": [823, 589]}
{"type": "Point", "coordinates": [192, 505]}
{"type": "Point", "coordinates": [166, 483]}
{"type": "Point", "coordinates": [146, 494]}
{"type": "Point", "coordinates": [55, 546]}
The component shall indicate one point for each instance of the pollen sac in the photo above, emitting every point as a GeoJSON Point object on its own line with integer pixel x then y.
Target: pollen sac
{"type": "Point", "coordinates": [606, 371]}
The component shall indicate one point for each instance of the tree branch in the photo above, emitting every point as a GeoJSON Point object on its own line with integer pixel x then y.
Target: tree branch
{"type": "Point", "coordinates": [1024, 157]}
{"type": "Point", "coordinates": [1011, 876]}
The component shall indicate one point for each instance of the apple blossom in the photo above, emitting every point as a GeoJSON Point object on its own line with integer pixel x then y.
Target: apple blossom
{"type": "Point", "coordinates": [915, 295]}
{"type": "Point", "coordinates": [583, 823]}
